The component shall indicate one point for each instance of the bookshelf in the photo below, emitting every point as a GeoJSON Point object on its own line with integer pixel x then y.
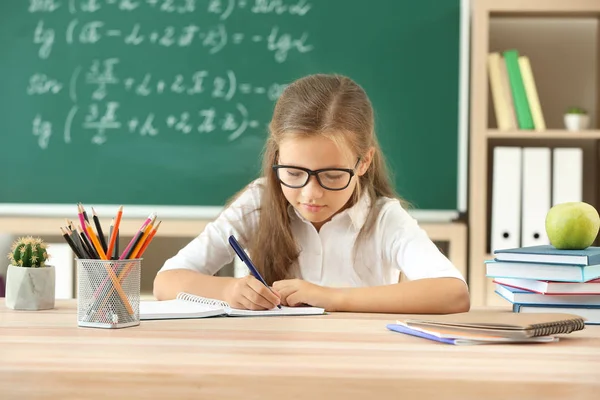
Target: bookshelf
{"type": "Point", "coordinates": [572, 76]}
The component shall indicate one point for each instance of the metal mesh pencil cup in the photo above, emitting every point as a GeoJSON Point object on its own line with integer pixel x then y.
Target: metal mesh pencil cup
{"type": "Point", "coordinates": [108, 293]}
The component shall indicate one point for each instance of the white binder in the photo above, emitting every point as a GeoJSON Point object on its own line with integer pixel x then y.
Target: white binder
{"type": "Point", "coordinates": [536, 195]}
{"type": "Point", "coordinates": [506, 198]}
{"type": "Point", "coordinates": [567, 175]}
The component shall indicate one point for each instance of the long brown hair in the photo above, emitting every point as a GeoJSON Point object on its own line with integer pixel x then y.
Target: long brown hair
{"type": "Point", "coordinates": [333, 106]}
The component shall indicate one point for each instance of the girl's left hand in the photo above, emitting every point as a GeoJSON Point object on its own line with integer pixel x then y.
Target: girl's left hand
{"type": "Point", "coordinates": [296, 292]}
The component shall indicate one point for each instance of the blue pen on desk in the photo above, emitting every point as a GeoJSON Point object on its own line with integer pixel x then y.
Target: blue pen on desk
{"type": "Point", "coordinates": [244, 257]}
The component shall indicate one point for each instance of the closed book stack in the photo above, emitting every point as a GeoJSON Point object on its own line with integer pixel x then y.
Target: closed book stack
{"type": "Point", "coordinates": [544, 279]}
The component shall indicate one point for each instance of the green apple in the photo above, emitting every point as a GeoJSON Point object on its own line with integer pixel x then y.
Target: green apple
{"type": "Point", "coordinates": [572, 225]}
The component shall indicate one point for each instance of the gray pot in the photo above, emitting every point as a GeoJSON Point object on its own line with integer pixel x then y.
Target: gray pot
{"type": "Point", "coordinates": [30, 288]}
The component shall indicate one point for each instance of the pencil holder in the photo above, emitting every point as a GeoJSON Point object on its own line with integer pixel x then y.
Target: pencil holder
{"type": "Point", "coordinates": [108, 293]}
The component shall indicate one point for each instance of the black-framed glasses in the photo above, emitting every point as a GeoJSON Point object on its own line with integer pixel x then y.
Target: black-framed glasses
{"type": "Point", "coordinates": [329, 178]}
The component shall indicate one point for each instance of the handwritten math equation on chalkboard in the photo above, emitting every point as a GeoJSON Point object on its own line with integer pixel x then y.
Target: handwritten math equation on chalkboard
{"type": "Point", "coordinates": [102, 113]}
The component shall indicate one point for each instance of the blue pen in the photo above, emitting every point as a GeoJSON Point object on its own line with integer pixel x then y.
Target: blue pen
{"type": "Point", "coordinates": [244, 257]}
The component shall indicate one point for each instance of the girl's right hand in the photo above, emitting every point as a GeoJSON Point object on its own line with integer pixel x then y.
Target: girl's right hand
{"type": "Point", "coordinates": [249, 293]}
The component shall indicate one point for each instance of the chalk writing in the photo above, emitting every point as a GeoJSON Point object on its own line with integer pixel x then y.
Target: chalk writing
{"type": "Point", "coordinates": [223, 8]}
{"type": "Point", "coordinates": [104, 118]}
{"type": "Point", "coordinates": [42, 84]}
{"type": "Point", "coordinates": [43, 130]}
{"type": "Point", "coordinates": [45, 38]}
{"type": "Point", "coordinates": [102, 90]}
{"type": "Point", "coordinates": [43, 6]}
{"type": "Point", "coordinates": [214, 38]}
{"type": "Point", "coordinates": [166, 6]}
{"type": "Point", "coordinates": [102, 75]}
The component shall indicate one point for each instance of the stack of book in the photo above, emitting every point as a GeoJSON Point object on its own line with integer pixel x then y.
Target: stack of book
{"type": "Point", "coordinates": [542, 279]}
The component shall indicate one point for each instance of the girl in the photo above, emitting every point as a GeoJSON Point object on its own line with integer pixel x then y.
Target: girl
{"type": "Point", "coordinates": [323, 225]}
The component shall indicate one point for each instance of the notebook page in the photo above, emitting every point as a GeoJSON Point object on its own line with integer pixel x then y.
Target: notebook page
{"type": "Point", "coordinates": [176, 309]}
{"type": "Point", "coordinates": [234, 312]}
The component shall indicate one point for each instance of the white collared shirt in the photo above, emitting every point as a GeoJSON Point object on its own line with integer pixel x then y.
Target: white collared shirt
{"type": "Point", "coordinates": [327, 258]}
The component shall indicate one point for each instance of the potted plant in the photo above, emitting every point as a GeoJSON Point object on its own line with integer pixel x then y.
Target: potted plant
{"type": "Point", "coordinates": [30, 282]}
{"type": "Point", "coordinates": [576, 119]}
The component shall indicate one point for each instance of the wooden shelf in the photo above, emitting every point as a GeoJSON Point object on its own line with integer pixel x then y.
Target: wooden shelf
{"type": "Point", "coordinates": [547, 134]}
{"type": "Point", "coordinates": [486, 28]}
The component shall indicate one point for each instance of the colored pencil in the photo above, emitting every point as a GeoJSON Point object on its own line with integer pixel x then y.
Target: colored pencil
{"type": "Point", "coordinates": [99, 230]}
{"type": "Point", "coordinates": [113, 237]}
{"type": "Point", "coordinates": [127, 252]}
{"type": "Point", "coordinates": [139, 254]}
{"type": "Point", "coordinates": [115, 254]}
{"type": "Point", "coordinates": [148, 240]}
{"type": "Point", "coordinates": [82, 218]}
{"type": "Point", "coordinates": [77, 241]}
{"type": "Point", "coordinates": [71, 243]}
{"type": "Point", "coordinates": [95, 241]}
{"type": "Point", "coordinates": [90, 249]}
{"type": "Point", "coordinates": [109, 270]}
{"type": "Point", "coordinates": [85, 216]}
{"type": "Point", "coordinates": [142, 239]}
{"type": "Point", "coordinates": [110, 232]}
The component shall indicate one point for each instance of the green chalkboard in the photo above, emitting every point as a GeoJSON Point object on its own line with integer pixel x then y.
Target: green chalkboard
{"type": "Point", "coordinates": [166, 102]}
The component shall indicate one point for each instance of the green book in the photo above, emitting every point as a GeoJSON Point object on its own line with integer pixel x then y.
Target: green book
{"type": "Point", "coordinates": [524, 119]}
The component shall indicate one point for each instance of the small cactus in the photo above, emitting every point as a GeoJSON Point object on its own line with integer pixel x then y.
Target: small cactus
{"type": "Point", "coordinates": [28, 252]}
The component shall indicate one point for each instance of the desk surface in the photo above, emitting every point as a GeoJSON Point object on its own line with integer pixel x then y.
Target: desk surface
{"type": "Point", "coordinates": [45, 355]}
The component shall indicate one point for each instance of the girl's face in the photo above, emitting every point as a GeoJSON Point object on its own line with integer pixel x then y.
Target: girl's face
{"type": "Point", "coordinates": [315, 203]}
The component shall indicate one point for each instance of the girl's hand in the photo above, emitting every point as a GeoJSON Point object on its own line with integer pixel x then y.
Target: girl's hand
{"type": "Point", "coordinates": [296, 292]}
{"type": "Point", "coordinates": [250, 294]}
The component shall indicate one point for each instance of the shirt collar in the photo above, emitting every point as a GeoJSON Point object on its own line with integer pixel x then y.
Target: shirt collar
{"type": "Point", "coordinates": [357, 213]}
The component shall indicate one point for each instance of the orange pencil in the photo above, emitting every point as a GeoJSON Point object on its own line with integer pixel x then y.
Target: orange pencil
{"type": "Point", "coordinates": [113, 237]}
{"type": "Point", "coordinates": [147, 231]}
{"type": "Point", "coordinates": [95, 242]}
{"type": "Point", "coordinates": [125, 270]}
{"type": "Point", "coordinates": [148, 240]}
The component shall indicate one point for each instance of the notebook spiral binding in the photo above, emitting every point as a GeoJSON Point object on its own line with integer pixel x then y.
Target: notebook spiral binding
{"type": "Point", "coordinates": [566, 326]}
{"type": "Point", "coordinates": [202, 300]}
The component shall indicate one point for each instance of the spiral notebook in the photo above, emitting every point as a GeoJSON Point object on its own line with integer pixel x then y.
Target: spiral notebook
{"type": "Point", "coordinates": [452, 337]}
{"type": "Point", "coordinates": [504, 324]}
{"type": "Point", "coordinates": [187, 305]}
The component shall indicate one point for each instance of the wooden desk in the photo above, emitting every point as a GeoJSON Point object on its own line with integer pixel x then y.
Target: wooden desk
{"type": "Point", "coordinates": [45, 355]}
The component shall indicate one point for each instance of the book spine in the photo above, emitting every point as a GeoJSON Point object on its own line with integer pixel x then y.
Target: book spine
{"type": "Point", "coordinates": [501, 102]}
{"type": "Point", "coordinates": [532, 94]}
{"type": "Point", "coordinates": [524, 118]}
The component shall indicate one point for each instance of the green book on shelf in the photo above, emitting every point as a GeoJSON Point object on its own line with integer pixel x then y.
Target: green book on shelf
{"type": "Point", "coordinates": [524, 118]}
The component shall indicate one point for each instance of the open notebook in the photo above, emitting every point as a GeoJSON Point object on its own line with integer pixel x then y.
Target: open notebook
{"type": "Point", "coordinates": [191, 306]}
